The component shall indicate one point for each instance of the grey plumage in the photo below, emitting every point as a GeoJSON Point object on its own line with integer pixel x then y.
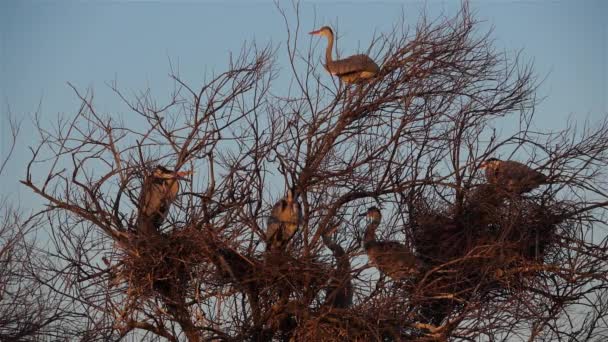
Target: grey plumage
{"type": "Point", "coordinates": [283, 222]}
{"type": "Point", "coordinates": [352, 69]}
{"type": "Point", "coordinates": [513, 176]}
{"type": "Point", "coordinates": [159, 190]}
{"type": "Point", "coordinates": [391, 257]}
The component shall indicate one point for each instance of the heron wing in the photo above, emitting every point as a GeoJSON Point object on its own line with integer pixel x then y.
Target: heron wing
{"type": "Point", "coordinates": [521, 177]}
{"type": "Point", "coordinates": [352, 64]}
{"type": "Point", "coordinates": [152, 198]}
{"type": "Point", "coordinates": [282, 223]}
{"type": "Point", "coordinates": [394, 255]}
{"type": "Point", "coordinates": [279, 233]}
{"type": "Point", "coordinates": [515, 170]}
{"type": "Point", "coordinates": [392, 246]}
{"type": "Point", "coordinates": [272, 227]}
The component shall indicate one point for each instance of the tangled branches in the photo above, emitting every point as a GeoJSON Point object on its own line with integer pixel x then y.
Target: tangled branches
{"type": "Point", "coordinates": [493, 263]}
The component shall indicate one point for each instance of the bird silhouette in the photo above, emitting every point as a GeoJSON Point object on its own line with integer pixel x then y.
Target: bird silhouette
{"type": "Point", "coordinates": [353, 69]}
{"type": "Point", "coordinates": [512, 176]}
{"type": "Point", "coordinates": [390, 257]}
{"type": "Point", "coordinates": [283, 222]}
{"type": "Point", "coordinates": [339, 292]}
{"type": "Point", "coordinates": [159, 190]}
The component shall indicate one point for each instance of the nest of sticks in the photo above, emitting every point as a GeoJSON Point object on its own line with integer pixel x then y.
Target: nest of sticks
{"type": "Point", "coordinates": [159, 264]}
{"type": "Point", "coordinates": [489, 245]}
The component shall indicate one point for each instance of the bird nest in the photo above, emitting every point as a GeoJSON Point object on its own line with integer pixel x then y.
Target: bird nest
{"type": "Point", "coordinates": [367, 322]}
{"type": "Point", "coordinates": [490, 244]}
{"type": "Point", "coordinates": [294, 271]}
{"type": "Point", "coordinates": [159, 264]}
{"type": "Point", "coordinates": [339, 325]}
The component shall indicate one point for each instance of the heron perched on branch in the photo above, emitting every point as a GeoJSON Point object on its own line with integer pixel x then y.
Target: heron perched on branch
{"type": "Point", "coordinates": [285, 217]}
{"type": "Point", "coordinates": [390, 257]}
{"type": "Point", "coordinates": [513, 176]}
{"type": "Point", "coordinates": [158, 192]}
{"type": "Point", "coordinates": [339, 293]}
{"type": "Point", "coordinates": [352, 69]}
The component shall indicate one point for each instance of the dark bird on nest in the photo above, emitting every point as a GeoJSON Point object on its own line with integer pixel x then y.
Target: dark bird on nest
{"type": "Point", "coordinates": [390, 257]}
{"type": "Point", "coordinates": [158, 192]}
{"type": "Point", "coordinates": [513, 176]}
{"type": "Point", "coordinates": [285, 217]}
{"type": "Point", "coordinates": [339, 292]}
{"type": "Point", "coordinates": [352, 69]}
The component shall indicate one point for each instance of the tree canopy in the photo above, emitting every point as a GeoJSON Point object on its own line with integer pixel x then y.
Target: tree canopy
{"type": "Point", "coordinates": [490, 263]}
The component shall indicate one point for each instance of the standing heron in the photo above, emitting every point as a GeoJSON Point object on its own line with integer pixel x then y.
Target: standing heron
{"type": "Point", "coordinates": [158, 192]}
{"type": "Point", "coordinates": [285, 217]}
{"type": "Point", "coordinates": [339, 293]}
{"type": "Point", "coordinates": [352, 69]}
{"type": "Point", "coordinates": [390, 257]}
{"type": "Point", "coordinates": [513, 176]}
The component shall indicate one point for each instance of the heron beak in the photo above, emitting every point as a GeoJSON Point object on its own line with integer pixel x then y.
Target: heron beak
{"type": "Point", "coordinates": [362, 215]}
{"type": "Point", "coordinates": [314, 32]}
{"type": "Point", "coordinates": [182, 174]}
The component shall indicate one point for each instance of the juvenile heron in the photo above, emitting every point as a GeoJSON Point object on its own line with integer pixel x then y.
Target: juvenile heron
{"type": "Point", "coordinates": [339, 292]}
{"type": "Point", "coordinates": [513, 176]}
{"type": "Point", "coordinates": [158, 192]}
{"type": "Point", "coordinates": [390, 257]}
{"type": "Point", "coordinates": [285, 217]}
{"type": "Point", "coordinates": [352, 69]}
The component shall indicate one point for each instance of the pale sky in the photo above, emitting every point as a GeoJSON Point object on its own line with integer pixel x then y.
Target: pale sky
{"type": "Point", "coordinates": [45, 44]}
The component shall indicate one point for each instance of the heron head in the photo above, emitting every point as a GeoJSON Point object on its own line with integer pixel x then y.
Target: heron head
{"type": "Point", "coordinates": [325, 31]}
{"type": "Point", "coordinates": [290, 201]}
{"type": "Point", "coordinates": [162, 172]}
{"type": "Point", "coordinates": [489, 163]}
{"type": "Point", "coordinates": [373, 213]}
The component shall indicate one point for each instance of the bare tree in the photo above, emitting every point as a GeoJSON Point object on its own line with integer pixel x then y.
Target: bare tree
{"type": "Point", "coordinates": [29, 309]}
{"type": "Point", "coordinates": [492, 264]}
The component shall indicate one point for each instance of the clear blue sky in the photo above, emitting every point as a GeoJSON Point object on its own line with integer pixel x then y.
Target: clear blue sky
{"type": "Point", "coordinates": [45, 44]}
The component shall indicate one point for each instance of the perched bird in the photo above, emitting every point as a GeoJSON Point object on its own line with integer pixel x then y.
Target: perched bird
{"type": "Point", "coordinates": [339, 292]}
{"type": "Point", "coordinates": [352, 69]}
{"type": "Point", "coordinates": [390, 257]}
{"type": "Point", "coordinates": [159, 191]}
{"type": "Point", "coordinates": [513, 176]}
{"type": "Point", "coordinates": [285, 217]}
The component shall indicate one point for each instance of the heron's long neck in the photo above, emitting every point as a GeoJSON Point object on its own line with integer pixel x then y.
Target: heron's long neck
{"type": "Point", "coordinates": [370, 231]}
{"type": "Point", "coordinates": [333, 246]}
{"type": "Point", "coordinates": [330, 46]}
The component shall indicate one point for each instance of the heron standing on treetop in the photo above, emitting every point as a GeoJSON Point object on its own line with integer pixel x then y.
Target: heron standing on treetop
{"type": "Point", "coordinates": [352, 69]}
